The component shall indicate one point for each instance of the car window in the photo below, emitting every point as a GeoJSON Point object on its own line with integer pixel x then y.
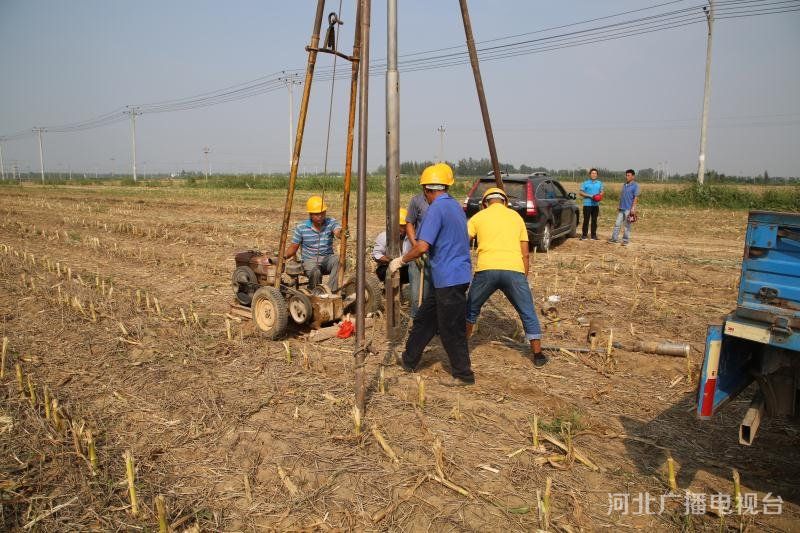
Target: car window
{"type": "Point", "coordinates": [559, 190]}
{"type": "Point", "coordinates": [545, 191]}
{"type": "Point", "coordinates": [514, 189]}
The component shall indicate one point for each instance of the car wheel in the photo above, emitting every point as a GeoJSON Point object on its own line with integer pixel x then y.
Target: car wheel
{"type": "Point", "coordinates": [573, 229]}
{"type": "Point", "coordinates": [545, 238]}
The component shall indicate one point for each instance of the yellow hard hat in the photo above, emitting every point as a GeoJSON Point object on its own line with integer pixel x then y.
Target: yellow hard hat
{"type": "Point", "coordinates": [438, 174]}
{"type": "Point", "coordinates": [403, 215]}
{"type": "Point", "coordinates": [494, 191]}
{"type": "Point", "coordinates": [316, 205]}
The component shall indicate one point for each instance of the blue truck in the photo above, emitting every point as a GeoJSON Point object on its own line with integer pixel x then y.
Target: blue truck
{"type": "Point", "coordinates": [760, 340]}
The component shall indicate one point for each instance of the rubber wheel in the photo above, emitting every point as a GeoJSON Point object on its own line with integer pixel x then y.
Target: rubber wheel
{"type": "Point", "coordinates": [573, 230]}
{"type": "Point", "coordinates": [270, 314]}
{"type": "Point", "coordinates": [242, 280]}
{"type": "Point", "coordinates": [373, 293]}
{"type": "Point", "coordinates": [545, 239]}
{"type": "Point", "coordinates": [300, 308]}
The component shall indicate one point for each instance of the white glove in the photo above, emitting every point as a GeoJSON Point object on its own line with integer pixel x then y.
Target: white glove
{"type": "Point", "coordinates": [395, 265]}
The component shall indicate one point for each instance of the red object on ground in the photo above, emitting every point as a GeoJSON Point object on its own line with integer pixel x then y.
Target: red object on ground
{"type": "Point", "coordinates": [346, 330]}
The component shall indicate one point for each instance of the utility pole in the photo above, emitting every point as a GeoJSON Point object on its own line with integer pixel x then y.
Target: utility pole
{"type": "Point", "coordinates": [701, 163]}
{"type": "Point", "coordinates": [290, 81]}
{"type": "Point", "coordinates": [441, 129]}
{"type": "Point", "coordinates": [133, 111]}
{"type": "Point", "coordinates": [39, 132]}
{"type": "Point", "coordinates": [2, 165]}
{"type": "Point", "coordinates": [206, 149]}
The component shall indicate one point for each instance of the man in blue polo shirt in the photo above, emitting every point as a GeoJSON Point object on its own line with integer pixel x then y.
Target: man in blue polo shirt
{"type": "Point", "coordinates": [443, 236]}
{"type": "Point", "coordinates": [314, 239]}
{"type": "Point", "coordinates": [626, 211]}
{"type": "Point", "coordinates": [592, 193]}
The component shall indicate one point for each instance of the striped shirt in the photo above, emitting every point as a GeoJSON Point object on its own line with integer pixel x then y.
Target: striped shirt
{"type": "Point", "coordinates": [315, 243]}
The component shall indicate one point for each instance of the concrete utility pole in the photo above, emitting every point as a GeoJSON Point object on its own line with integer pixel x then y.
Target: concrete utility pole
{"type": "Point", "coordinates": [392, 172]}
{"type": "Point", "coordinates": [206, 149]}
{"type": "Point", "coordinates": [290, 82]}
{"type": "Point", "coordinates": [39, 132]}
{"type": "Point", "coordinates": [2, 165]}
{"type": "Point", "coordinates": [133, 111]}
{"type": "Point", "coordinates": [701, 163]}
{"type": "Point", "coordinates": [441, 129]}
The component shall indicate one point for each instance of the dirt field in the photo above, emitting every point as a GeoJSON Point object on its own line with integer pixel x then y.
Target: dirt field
{"type": "Point", "coordinates": [237, 436]}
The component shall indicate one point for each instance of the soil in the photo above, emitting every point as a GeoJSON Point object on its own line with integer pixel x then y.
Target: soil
{"type": "Point", "coordinates": [247, 434]}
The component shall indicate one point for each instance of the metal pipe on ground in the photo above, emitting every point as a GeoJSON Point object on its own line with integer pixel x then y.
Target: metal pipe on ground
{"type": "Point", "coordinates": [298, 141]}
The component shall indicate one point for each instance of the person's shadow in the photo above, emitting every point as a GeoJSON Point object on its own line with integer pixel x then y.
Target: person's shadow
{"type": "Point", "coordinates": [770, 464]}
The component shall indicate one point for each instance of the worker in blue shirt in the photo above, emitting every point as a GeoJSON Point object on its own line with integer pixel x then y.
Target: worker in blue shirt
{"type": "Point", "coordinates": [592, 193]}
{"type": "Point", "coordinates": [443, 236]}
{"type": "Point", "coordinates": [626, 212]}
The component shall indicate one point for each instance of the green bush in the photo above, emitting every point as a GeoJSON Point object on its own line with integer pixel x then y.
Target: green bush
{"type": "Point", "coordinates": [725, 196]}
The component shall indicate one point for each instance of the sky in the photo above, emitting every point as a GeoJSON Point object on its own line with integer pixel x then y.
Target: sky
{"type": "Point", "coordinates": [629, 102]}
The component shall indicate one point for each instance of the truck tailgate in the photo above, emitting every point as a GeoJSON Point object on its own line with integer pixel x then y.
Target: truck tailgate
{"type": "Point", "coordinates": [769, 287]}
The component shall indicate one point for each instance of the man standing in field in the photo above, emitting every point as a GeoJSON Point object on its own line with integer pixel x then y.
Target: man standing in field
{"type": "Point", "coordinates": [379, 251]}
{"type": "Point", "coordinates": [314, 238]}
{"type": "Point", "coordinates": [444, 238]}
{"type": "Point", "coordinates": [592, 193]}
{"type": "Point", "coordinates": [503, 265]}
{"type": "Point", "coordinates": [626, 212]}
{"type": "Point", "coordinates": [417, 208]}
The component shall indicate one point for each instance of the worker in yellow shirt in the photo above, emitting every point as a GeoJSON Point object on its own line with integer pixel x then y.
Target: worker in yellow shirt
{"type": "Point", "coordinates": [503, 264]}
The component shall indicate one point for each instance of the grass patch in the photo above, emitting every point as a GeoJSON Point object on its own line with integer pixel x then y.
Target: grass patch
{"type": "Point", "coordinates": [573, 416]}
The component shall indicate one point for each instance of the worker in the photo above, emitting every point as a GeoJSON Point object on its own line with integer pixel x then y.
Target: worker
{"type": "Point", "coordinates": [444, 238]}
{"type": "Point", "coordinates": [314, 239]}
{"type": "Point", "coordinates": [503, 264]}
{"type": "Point", "coordinates": [419, 274]}
{"type": "Point", "coordinates": [379, 250]}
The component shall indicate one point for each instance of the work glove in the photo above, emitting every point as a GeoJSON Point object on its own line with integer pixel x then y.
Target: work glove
{"type": "Point", "coordinates": [395, 265]}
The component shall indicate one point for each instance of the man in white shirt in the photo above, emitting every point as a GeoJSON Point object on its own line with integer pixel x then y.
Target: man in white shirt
{"type": "Point", "coordinates": [380, 249]}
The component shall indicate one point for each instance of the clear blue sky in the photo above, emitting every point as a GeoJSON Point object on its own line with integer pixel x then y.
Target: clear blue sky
{"type": "Point", "coordinates": [632, 102]}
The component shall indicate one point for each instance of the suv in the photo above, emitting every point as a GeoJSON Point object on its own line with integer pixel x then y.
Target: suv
{"type": "Point", "coordinates": [548, 210]}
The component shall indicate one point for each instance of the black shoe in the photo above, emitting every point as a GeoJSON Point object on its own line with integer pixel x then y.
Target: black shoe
{"type": "Point", "coordinates": [594, 237]}
{"type": "Point", "coordinates": [583, 237]}
{"type": "Point", "coordinates": [451, 381]}
{"type": "Point", "coordinates": [539, 359]}
{"type": "Point", "coordinates": [399, 360]}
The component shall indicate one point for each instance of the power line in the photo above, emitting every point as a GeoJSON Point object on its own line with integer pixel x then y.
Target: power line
{"type": "Point", "coordinates": [728, 9]}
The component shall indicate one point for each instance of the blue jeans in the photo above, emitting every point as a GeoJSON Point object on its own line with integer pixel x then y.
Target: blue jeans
{"type": "Point", "coordinates": [515, 286]}
{"type": "Point", "coordinates": [413, 284]}
{"type": "Point", "coordinates": [622, 217]}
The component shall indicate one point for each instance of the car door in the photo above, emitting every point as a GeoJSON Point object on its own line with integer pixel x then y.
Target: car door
{"type": "Point", "coordinates": [556, 204]}
{"type": "Point", "coordinates": [565, 212]}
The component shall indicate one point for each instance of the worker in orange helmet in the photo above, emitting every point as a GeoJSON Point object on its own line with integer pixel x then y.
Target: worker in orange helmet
{"type": "Point", "coordinates": [314, 238]}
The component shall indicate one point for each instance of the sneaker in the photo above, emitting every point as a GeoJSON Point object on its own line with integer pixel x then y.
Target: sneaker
{"type": "Point", "coordinates": [613, 241]}
{"type": "Point", "coordinates": [595, 238]}
{"type": "Point", "coordinates": [625, 243]}
{"type": "Point", "coordinates": [583, 237]}
{"type": "Point", "coordinates": [451, 381]}
{"type": "Point", "coordinates": [539, 359]}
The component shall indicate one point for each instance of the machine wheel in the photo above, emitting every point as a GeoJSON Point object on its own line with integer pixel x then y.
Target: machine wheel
{"type": "Point", "coordinates": [545, 238]}
{"type": "Point", "coordinates": [269, 312]}
{"type": "Point", "coordinates": [373, 293]}
{"type": "Point", "coordinates": [300, 308]}
{"type": "Point", "coordinates": [243, 280]}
